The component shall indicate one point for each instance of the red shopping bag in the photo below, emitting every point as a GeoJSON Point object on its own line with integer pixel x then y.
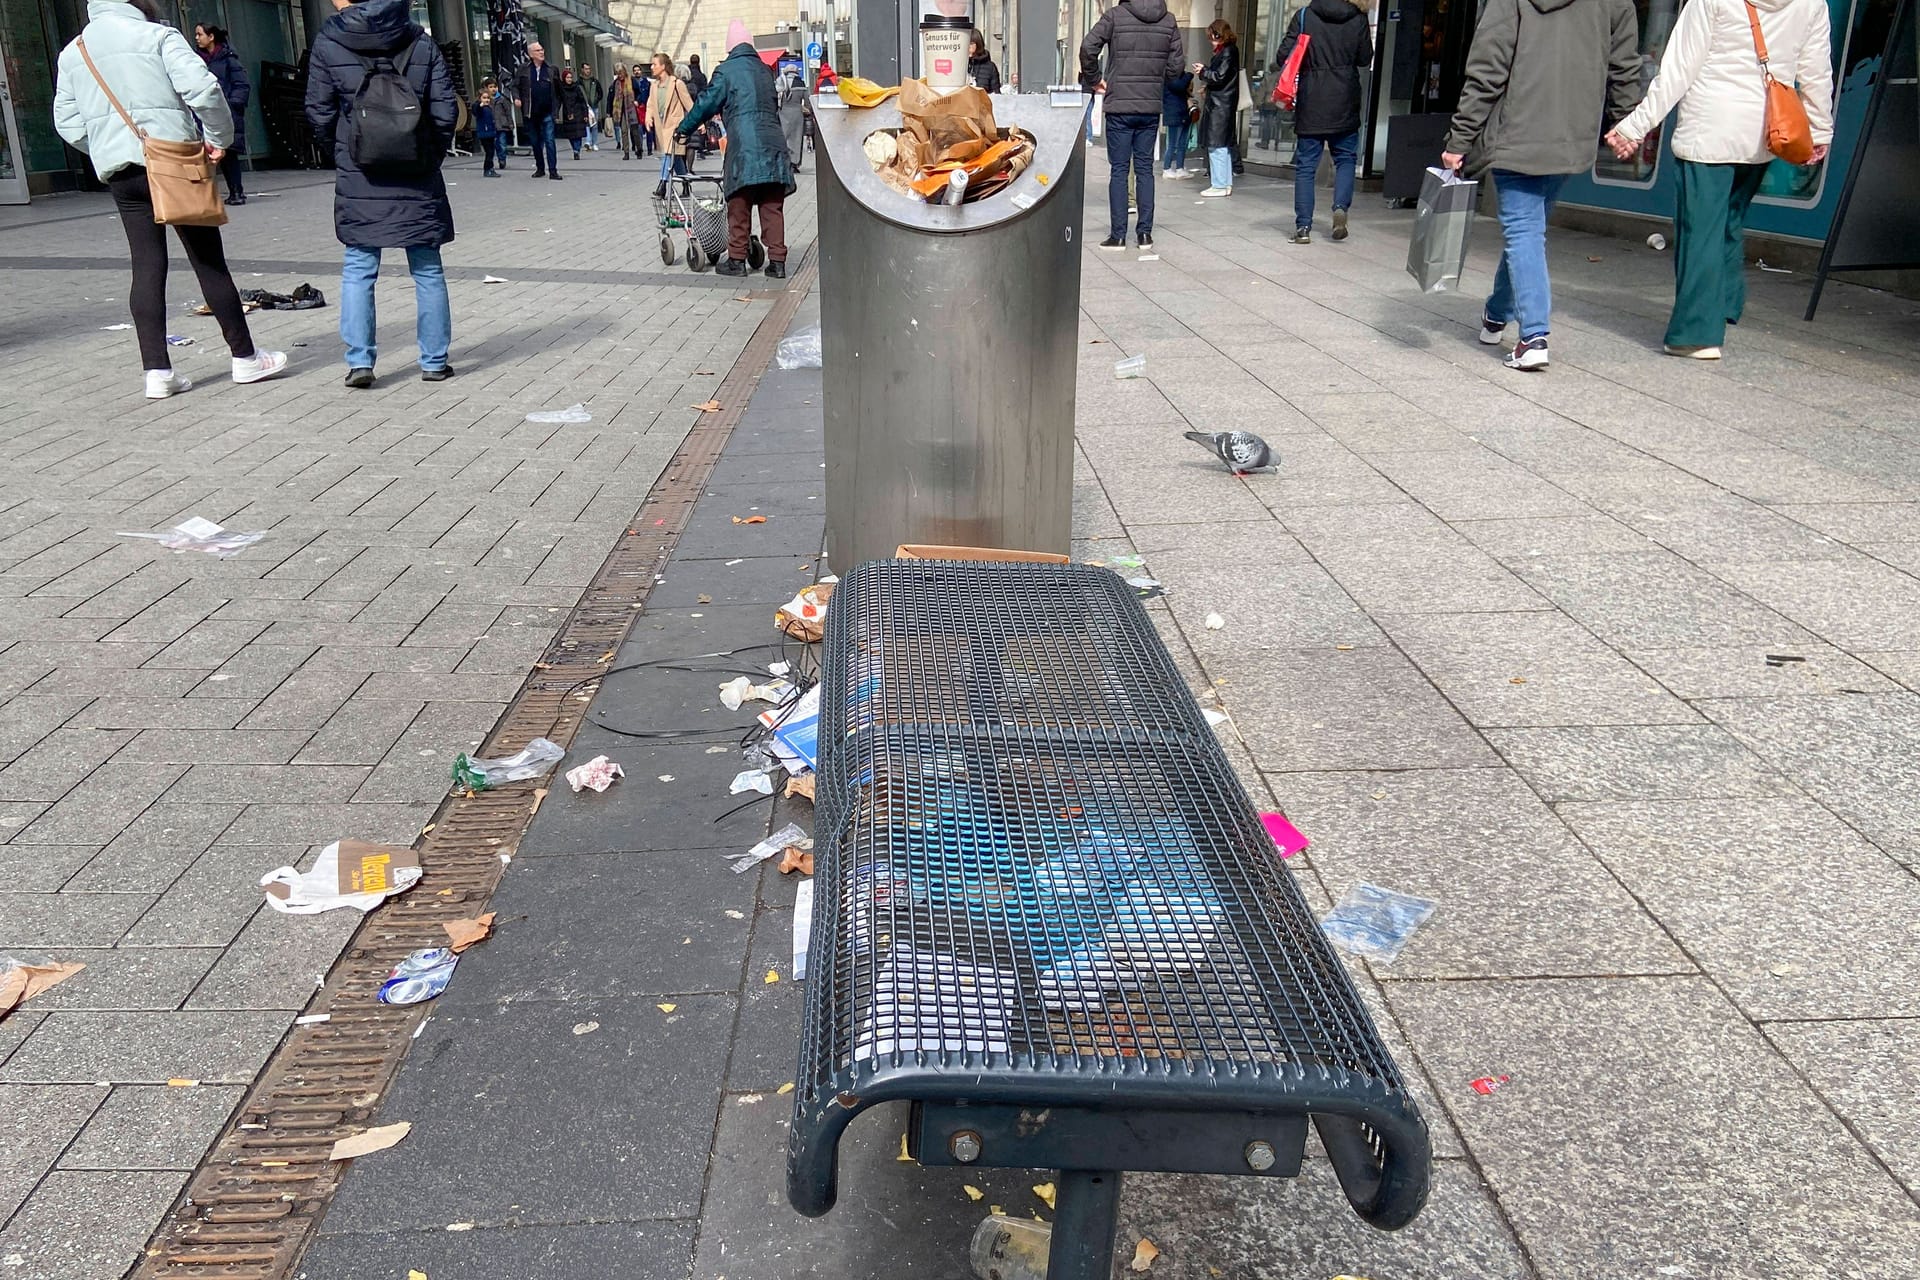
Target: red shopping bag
{"type": "Point", "coordinates": [1287, 89]}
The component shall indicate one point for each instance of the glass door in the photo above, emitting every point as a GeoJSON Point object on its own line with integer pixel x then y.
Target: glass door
{"type": "Point", "coordinates": [13, 167]}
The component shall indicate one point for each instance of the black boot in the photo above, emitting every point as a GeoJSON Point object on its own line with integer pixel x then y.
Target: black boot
{"type": "Point", "coordinates": [660, 192]}
{"type": "Point", "coordinates": [731, 267]}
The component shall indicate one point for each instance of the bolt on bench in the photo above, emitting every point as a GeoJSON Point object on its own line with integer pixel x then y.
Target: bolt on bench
{"type": "Point", "coordinates": [1048, 917]}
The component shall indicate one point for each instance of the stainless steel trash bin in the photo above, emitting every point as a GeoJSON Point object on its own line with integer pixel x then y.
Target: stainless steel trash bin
{"type": "Point", "coordinates": [949, 336]}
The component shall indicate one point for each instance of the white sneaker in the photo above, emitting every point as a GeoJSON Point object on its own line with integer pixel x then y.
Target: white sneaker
{"type": "Point", "coordinates": [259, 366]}
{"type": "Point", "coordinates": [162, 383]}
{"type": "Point", "coordinates": [1491, 334]}
{"type": "Point", "coordinates": [1217, 191]}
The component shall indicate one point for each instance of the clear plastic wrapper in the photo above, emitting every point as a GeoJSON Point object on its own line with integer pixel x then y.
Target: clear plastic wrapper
{"type": "Point", "coordinates": [531, 761]}
{"type": "Point", "coordinates": [1375, 923]}
{"type": "Point", "coordinates": [799, 350]}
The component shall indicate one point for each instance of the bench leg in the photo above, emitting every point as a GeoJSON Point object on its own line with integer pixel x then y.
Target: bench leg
{"type": "Point", "coordinates": [1086, 1213]}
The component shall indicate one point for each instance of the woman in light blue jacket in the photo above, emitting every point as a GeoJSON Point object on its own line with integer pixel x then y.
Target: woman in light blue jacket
{"type": "Point", "coordinates": [170, 94]}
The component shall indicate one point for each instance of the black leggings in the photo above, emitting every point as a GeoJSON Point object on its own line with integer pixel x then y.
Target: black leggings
{"type": "Point", "coordinates": [148, 298]}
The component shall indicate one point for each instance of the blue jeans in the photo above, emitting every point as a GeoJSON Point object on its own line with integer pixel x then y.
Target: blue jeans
{"type": "Point", "coordinates": [433, 323]}
{"type": "Point", "coordinates": [1177, 134]}
{"type": "Point", "coordinates": [672, 165]}
{"type": "Point", "coordinates": [545, 158]}
{"type": "Point", "coordinates": [1306, 167]}
{"type": "Point", "coordinates": [1521, 290]}
{"type": "Point", "coordinates": [1220, 167]}
{"type": "Point", "coordinates": [1130, 139]}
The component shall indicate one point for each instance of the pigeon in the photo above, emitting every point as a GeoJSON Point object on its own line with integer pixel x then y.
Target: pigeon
{"type": "Point", "coordinates": [1242, 451]}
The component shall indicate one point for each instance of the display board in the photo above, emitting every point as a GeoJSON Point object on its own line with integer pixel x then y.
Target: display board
{"type": "Point", "coordinates": [1876, 226]}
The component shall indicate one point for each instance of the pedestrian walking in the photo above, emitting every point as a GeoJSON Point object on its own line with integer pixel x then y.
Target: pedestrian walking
{"type": "Point", "coordinates": [667, 106]}
{"type": "Point", "coordinates": [758, 174]}
{"type": "Point", "coordinates": [1540, 77]}
{"type": "Point", "coordinates": [486, 131]}
{"type": "Point", "coordinates": [1713, 69]}
{"type": "Point", "coordinates": [572, 111]}
{"type": "Point", "coordinates": [1176, 114]}
{"type": "Point", "coordinates": [1220, 117]}
{"type": "Point", "coordinates": [643, 129]}
{"type": "Point", "coordinates": [1142, 45]}
{"type": "Point", "coordinates": [121, 68]}
{"type": "Point", "coordinates": [537, 96]}
{"type": "Point", "coordinates": [379, 87]}
{"type": "Point", "coordinates": [621, 112]}
{"type": "Point", "coordinates": [1326, 107]}
{"type": "Point", "coordinates": [227, 68]}
{"type": "Point", "coordinates": [982, 74]}
{"type": "Point", "coordinates": [589, 81]}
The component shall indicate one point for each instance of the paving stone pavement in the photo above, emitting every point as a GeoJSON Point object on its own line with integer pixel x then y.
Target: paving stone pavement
{"type": "Point", "coordinates": [1498, 639]}
{"type": "Point", "coordinates": [172, 726]}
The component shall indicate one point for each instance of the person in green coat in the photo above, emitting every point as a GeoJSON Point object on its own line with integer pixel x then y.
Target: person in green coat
{"type": "Point", "coordinates": [758, 173]}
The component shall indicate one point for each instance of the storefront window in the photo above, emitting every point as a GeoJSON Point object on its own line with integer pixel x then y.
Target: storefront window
{"type": "Point", "coordinates": [1859, 40]}
{"type": "Point", "coordinates": [1657, 18]}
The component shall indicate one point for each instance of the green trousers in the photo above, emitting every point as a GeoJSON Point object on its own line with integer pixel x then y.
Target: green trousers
{"type": "Point", "coordinates": [1709, 260]}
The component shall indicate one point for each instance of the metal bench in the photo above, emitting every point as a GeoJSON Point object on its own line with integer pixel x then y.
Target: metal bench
{"type": "Point", "coordinates": [1048, 917]}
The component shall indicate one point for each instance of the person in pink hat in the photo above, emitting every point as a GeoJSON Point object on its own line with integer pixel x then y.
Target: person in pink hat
{"type": "Point", "coordinates": [758, 174]}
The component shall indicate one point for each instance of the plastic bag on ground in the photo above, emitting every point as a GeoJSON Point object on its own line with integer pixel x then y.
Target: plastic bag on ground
{"type": "Point", "coordinates": [799, 350]}
{"type": "Point", "coordinates": [198, 534]}
{"type": "Point", "coordinates": [531, 761]}
{"type": "Point", "coordinates": [791, 834]}
{"type": "Point", "coordinates": [305, 893]}
{"type": "Point", "coordinates": [573, 415]}
{"type": "Point", "coordinates": [1374, 922]}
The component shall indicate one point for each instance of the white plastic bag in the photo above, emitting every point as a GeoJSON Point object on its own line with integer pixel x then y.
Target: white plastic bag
{"type": "Point", "coordinates": [574, 415]}
{"type": "Point", "coordinates": [799, 350]}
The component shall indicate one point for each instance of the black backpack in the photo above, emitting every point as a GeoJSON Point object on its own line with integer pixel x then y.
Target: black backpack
{"type": "Point", "coordinates": [388, 129]}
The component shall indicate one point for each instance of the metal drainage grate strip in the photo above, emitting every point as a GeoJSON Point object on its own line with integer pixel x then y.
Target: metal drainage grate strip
{"type": "Point", "coordinates": [251, 1207]}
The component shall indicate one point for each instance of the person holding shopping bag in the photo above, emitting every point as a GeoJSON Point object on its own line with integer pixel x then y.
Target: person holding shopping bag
{"type": "Point", "coordinates": [1541, 76]}
{"type": "Point", "coordinates": [1713, 70]}
{"type": "Point", "coordinates": [125, 82]}
{"type": "Point", "coordinates": [1220, 119]}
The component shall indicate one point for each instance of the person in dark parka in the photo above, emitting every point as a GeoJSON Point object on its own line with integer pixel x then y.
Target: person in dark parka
{"type": "Point", "coordinates": [571, 108]}
{"type": "Point", "coordinates": [1326, 111]}
{"type": "Point", "coordinates": [758, 173]}
{"type": "Point", "coordinates": [386, 210]}
{"type": "Point", "coordinates": [227, 68]}
{"type": "Point", "coordinates": [1141, 42]}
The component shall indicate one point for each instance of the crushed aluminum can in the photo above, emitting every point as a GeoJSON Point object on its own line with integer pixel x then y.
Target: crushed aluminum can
{"type": "Point", "coordinates": [420, 977]}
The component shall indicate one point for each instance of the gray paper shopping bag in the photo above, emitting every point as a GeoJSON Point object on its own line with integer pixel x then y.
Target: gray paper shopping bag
{"type": "Point", "coordinates": [1438, 251]}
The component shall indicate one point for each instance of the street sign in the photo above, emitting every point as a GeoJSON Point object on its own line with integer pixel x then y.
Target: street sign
{"type": "Point", "coordinates": [814, 51]}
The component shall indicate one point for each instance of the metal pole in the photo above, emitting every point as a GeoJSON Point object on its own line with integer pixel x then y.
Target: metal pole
{"type": "Point", "coordinates": [1086, 1215]}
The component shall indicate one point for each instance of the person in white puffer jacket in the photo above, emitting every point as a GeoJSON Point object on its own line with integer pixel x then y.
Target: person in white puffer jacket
{"type": "Point", "coordinates": [1712, 71]}
{"type": "Point", "coordinates": [167, 89]}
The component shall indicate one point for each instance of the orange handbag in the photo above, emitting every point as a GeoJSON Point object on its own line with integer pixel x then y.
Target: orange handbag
{"type": "Point", "coordinates": [1789, 136]}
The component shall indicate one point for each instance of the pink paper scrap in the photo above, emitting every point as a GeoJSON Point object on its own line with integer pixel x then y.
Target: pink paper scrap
{"type": "Point", "coordinates": [1285, 835]}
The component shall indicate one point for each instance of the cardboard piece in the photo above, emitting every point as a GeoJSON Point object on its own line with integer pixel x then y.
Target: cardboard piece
{"type": "Point", "coordinates": [933, 551]}
{"type": "Point", "coordinates": [464, 933]}
{"type": "Point", "coordinates": [23, 982]}
{"type": "Point", "coordinates": [370, 1141]}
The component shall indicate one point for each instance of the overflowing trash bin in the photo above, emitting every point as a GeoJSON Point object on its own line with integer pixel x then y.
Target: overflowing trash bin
{"type": "Point", "coordinates": [949, 315]}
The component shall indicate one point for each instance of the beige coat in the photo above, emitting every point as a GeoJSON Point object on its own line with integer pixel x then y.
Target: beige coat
{"type": "Point", "coordinates": [667, 104]}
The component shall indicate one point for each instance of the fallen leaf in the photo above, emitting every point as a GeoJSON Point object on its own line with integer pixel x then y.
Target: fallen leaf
{"type": "Point", "coordinates": [372, 1140]}
{"type": "Point", "coordinates": [749, 519]}
{"type": "Point", "coordinates": [706, 406]}
{"type": "Point", "coordinates": [974, 1193]}
{"type": "Point", "coordinates": [773, 976]}
{"type": "Point", "coordinates": [585, 1028]}
{"type": "Point", "coordinates": [464, 933]}
{"type": "Point", "coordinates": [1518, 680]}
{"type": "Point", "coordinates": [29, 980]}
{"type": "Point", "coordinates": [802, 786]}
{"type": "Point", "coordinates": [1045, 1191]}
{"type": "Point", "coordinates": [666, 1008]}
{"type": "Point", "coordinates": [1143, 1255]}
{"type": "Point", "coordinates": [785, 1089]}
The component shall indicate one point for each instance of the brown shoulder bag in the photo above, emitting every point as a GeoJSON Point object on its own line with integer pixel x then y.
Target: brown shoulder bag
{"type": "Point", "coordinates": [1789, 136]}
{"type": "Point", "coordinates": [179, 175]}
